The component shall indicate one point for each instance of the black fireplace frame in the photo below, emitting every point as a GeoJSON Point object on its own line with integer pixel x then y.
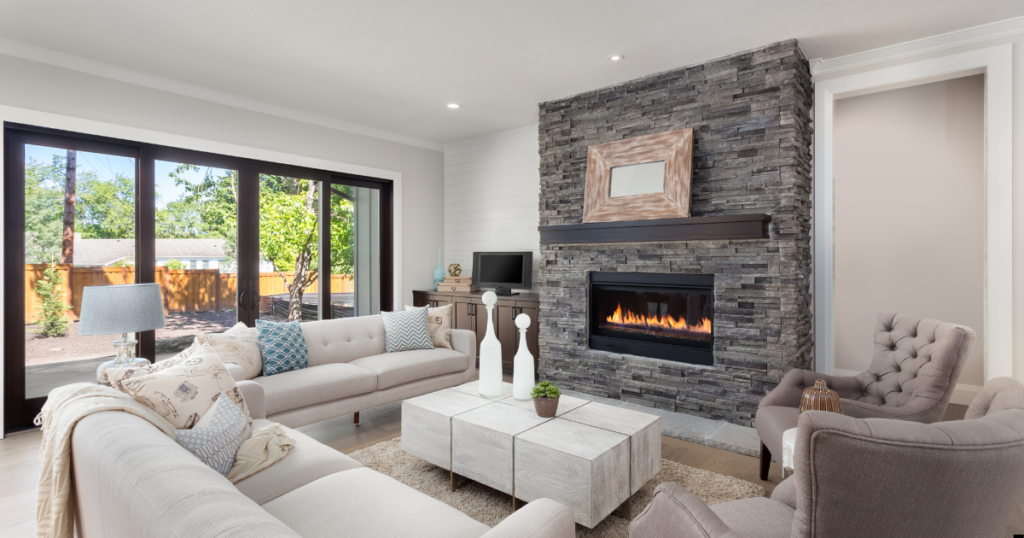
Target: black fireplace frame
{"type": "Point", "coordinates": [689, 351]}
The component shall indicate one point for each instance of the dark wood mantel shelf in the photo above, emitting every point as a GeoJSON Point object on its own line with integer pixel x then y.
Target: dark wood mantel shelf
{"type": "Point", "coordinates": [638, 231]}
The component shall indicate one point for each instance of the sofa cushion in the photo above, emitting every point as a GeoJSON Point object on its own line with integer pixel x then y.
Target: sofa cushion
{"type": "Point", "coordinates": [216, 437]}
{"type": "Point", "coordinates": [406, 330]}
{"type": "Point", "coordinates": [343, 340]}
{"type": "Point", "coordinates": [313, 385]}
{"type": "Point", "coordinates": [367, 504]}
{"type": "Point", "coordinates": [307, 460]}
{"type": "Point", "coordinates": [282, 345]}
{"type": "Point", "coordinates": [395, 369]}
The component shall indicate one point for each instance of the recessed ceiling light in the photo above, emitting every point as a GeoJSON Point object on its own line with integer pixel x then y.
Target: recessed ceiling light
{"type": "Point", "coordinates": [453, 105]}
{"type": "Point", "coordinates": [616, 57]}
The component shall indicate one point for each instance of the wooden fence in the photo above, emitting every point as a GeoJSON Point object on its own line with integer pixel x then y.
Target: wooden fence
{"type": "Point", "coordinates": [184, 290]}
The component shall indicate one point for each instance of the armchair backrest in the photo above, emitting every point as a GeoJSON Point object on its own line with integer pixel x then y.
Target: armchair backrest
{"type": "Point", "coordinates": [916, 364]}
{"type": "Point", "coordinates": [881, 477]}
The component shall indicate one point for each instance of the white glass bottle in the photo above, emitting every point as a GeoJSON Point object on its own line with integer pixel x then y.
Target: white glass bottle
{"type": "Point", "coordinates": [490, 354]}
{"type": "Point", "coordinates": [522, 363]}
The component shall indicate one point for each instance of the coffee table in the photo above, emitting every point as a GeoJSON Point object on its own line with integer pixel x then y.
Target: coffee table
{"type": "Point", "coordinates": [590, 457]}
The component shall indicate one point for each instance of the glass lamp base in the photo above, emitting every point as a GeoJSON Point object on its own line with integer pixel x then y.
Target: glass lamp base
{"type": "Point", "coordinates": [125, 358]}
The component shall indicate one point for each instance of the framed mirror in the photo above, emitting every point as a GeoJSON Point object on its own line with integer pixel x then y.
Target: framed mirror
{"type": "Point", "coordinates": [642, 178]}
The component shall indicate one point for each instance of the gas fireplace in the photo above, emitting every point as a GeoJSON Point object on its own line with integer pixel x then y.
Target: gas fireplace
{"type": "Point", "coordinates": [662, 316]}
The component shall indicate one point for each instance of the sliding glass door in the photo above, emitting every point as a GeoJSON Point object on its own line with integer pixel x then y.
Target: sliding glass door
{"type": "Point", "coordinates": [227, 239]}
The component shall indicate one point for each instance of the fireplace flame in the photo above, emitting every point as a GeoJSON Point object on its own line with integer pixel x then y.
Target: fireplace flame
{"type": "Point", "coordinates": [670, 323]}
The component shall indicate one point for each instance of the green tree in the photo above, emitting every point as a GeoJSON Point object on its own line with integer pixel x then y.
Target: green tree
{"type": "Point", "coordinates": [44, 206]}
{"type": "Point", "coordinates": [53, 319]}
{"type": "Point", "coordinates": [174, 264]}
{"type": "Point", "coordinates": [289, 223]}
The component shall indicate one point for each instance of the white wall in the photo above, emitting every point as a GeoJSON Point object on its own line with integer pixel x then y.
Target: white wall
{"type": "Point", "coordinates": [42, 87]}
{"type": "Point", "coordinates": [47, 89]}
{"type": "Point", "coordinates": [491, 196]}
{"type": "Point", "coordinates": [909, 203]}
{"type": "Point", "coordinates": [974, 41]}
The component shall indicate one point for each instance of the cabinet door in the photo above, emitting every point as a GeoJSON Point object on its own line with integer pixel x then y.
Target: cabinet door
{"type": "Point", "coordinates": [480, 322]}
{"type": "Point", "coordinates": [420, 299]}
{"type": "Point", "coordinates": [462, 315]}
{"type": "Point", "coordinates": [439, 300]}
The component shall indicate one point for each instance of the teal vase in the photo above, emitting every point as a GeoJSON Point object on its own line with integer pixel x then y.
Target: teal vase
{"type": "Point", "coordinates": [438, 271]}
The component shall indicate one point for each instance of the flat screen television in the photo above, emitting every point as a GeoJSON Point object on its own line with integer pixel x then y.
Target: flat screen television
{"type": "Point", "coordinates": [503, 271]}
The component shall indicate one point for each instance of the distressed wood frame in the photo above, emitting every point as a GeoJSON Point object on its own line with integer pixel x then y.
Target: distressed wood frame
{"type": "Point", "coordinates": [673, 147]}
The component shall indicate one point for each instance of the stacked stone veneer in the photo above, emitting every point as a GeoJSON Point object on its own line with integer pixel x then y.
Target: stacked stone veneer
{"type": "Point", "coordinates": [752, 154]}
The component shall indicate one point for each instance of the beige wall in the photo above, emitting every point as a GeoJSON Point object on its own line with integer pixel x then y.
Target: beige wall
{"type": "Point", "coordinates": [909, 212]}
{"type": "Point", "coordinates": [42, 87]}
{"type": "Point", "coordinates": [1017, 42]}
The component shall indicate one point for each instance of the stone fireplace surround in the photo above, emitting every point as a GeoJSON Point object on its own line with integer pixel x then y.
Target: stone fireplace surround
{"type": "Point", "coordinates": [752, 137]}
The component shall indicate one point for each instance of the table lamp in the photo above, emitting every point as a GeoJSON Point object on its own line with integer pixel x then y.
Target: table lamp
{"type": "Point", "coordinates": [123, 309]}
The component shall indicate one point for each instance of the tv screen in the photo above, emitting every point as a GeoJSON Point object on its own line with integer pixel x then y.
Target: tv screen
{"type": "Point", "coordinates": [502, 269]}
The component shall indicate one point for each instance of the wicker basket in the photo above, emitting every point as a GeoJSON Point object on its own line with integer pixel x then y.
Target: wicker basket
{"type": "Point", "coordinates": [820, 398]}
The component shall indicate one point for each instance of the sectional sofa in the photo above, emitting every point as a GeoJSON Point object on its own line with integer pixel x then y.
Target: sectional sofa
{"type": "Point", "coordinates": [349, 372]}
{"type": "Point", "coordinates": [134, 481]}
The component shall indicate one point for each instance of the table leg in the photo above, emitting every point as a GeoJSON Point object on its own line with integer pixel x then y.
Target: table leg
{"type": "Point", "coordinates": [457, 481]}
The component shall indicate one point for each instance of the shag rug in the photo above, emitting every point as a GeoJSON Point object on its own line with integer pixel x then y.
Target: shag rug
{"type": "Point", "coordinates": [490, 506]}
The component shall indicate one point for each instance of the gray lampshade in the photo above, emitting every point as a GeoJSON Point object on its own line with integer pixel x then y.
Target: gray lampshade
{"type": "Point", "coordinates": [120, 309]}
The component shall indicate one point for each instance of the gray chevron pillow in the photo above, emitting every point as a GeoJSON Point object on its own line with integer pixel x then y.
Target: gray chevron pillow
{"type": "Point", "coordinates": [216, 437]}
{"type": "Point", "coordinates": [405, 330]}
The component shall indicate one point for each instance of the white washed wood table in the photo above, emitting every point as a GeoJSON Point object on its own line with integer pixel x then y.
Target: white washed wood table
{"type": "Point", "coordinates": [591, 457]}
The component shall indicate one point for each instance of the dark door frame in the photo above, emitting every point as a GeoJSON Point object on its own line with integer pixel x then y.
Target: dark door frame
{"type": "Point", "coordinates": [19, 411]}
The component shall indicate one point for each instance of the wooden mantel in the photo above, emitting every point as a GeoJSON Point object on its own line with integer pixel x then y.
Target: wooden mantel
{"type": "Point", "coordinates": [754, 226]}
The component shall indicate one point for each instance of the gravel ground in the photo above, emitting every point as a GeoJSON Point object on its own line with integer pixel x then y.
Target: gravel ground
{"type": "Point", "coordinates": [39, 350]}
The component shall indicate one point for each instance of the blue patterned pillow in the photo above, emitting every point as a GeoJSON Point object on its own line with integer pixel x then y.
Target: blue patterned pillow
{"type": "Point", "coordinates": [406, 330]}
{"type": "Point", "coordinates": [282, 345]}
{"type": "Point", "coordinates": [216, 437]}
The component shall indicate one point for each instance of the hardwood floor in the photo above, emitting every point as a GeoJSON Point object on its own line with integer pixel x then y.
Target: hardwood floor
{"type": "Point", "coordinates": [19, 463]}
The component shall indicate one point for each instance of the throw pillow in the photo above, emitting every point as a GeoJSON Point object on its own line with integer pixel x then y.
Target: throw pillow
{"type": "Point", "coordinates": [406, 330]}
{"type": "Point", "coordinates": [282, 345]}
{"type": "Point", "coordinates": [216, 437]}
{"type": "Point", "coordinates": [181, 392]}
{"type": "Point", "coordinates": [238, 345]}
{"type": "Point", "coordinates": [439, 323]}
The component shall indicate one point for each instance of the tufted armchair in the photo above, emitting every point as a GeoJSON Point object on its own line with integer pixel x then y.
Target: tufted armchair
{"type": "Point", "coordinates": [912, 376]}
{"type": "Point", "coordinates": [874, 477]}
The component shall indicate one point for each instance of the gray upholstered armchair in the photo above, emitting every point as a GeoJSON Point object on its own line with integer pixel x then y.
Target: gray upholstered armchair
{"type": "Point", "coordinates": [874, 477]}
{"type": "Point", "coordinates": [912, 376]}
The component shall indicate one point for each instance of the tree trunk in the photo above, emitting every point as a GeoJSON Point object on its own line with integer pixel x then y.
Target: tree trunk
{"type": "Point", "coordinates": [70, 178]}
{"type": "Point", "coordinates": [295, 300]}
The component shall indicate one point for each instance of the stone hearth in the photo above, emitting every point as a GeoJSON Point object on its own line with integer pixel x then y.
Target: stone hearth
{"type": "Point", "coordinates": [752, 137]}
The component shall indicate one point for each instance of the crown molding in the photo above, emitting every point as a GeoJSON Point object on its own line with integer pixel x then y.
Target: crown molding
{"type": "Point", "coordinates": [948, 40]}
{"type": "Point", "coordinates": [83, 65]}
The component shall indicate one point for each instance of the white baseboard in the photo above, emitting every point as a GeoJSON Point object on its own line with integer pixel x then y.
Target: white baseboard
{"type": "Point", "coordinates": [963, 394]}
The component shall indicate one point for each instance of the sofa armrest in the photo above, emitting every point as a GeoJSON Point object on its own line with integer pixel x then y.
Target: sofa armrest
{"type": "Point", "coordinates": [675, 512]}
{"type": "Point", "coordinates": [252, 393]}
{"type": "Point", "coordinates": [542, 518]}
{"type": "Point", "coordinates": [464, 342]}
{"type": "Point", "coordinates": [791, 388]}
{"type": "Point", "coordinates": [236, 371]}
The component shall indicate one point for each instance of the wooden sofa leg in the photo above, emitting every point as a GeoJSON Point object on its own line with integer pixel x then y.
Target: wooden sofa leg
{"type": "Point", "coordinates": [355, 420]}
{"type": "Point", "coordinates": [766, 461]}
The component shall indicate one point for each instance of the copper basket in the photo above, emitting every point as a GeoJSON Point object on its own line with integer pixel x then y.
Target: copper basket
{"type": "Point", "coordinates": [820, 398]}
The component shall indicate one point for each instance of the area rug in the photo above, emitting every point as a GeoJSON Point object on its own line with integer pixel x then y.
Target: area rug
{"type": "Point", "coordinates": [490, 507]}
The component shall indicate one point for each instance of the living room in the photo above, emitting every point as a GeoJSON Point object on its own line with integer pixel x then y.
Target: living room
{"type": "Point", "coordinates": [682, 270]}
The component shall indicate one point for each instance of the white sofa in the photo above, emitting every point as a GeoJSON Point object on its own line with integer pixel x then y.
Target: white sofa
{"type": "Point", "coordinates": [349, 372]}
{"type": "Point", "coordinates": [133, 481]}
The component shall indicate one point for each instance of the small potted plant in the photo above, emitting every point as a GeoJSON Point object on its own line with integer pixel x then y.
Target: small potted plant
{"type": "Point", "coordinates": [545, 399]}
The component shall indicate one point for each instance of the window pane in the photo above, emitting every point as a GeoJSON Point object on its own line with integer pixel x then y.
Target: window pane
{"type": "Point", "coordinates": [79, 231]}
{"type": "Point", "coordinates": [196, 212]}
{"type": "Point", "coordinates": [355, 214]}
{"type": "Point", "coordinates": [289, 243]}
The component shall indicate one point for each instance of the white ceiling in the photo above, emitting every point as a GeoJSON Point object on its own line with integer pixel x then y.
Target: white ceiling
{"type": "Point", "coordinates": [394, 65]}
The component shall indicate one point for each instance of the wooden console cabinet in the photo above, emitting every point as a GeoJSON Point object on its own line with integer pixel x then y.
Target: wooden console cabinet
{"type": "Point", "coordinates": [470, 313]}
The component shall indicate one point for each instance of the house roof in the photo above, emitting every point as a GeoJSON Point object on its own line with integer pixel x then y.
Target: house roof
{"type": "Point", "coordinates": [104, 251]}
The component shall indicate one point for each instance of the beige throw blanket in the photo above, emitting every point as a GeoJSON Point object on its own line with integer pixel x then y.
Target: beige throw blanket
{"type": "Point", "coordinates": [66, 405]}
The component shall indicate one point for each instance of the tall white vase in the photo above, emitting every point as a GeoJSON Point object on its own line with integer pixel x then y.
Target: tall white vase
{"type": "Point", "coordinates": [490, 354]}
{"type": "Point", "coordinates": [522, 363]}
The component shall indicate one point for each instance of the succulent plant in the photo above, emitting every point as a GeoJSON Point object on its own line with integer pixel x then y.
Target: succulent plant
{"type": "Point", "coordinates": [545, 389]}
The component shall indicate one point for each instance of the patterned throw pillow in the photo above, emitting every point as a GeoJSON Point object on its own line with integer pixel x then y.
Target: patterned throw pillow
{"type": "Point", "coordinates": [439, 323]}
{"type": "Point", "coordinates": [216, 437]}
{"type": "Point", "coordinates": [238, 345]}
{"type": "Point", "coordinates": [181, 392]}
{"type": "Point", "coordinates": [283, 346]}
{"type": "Point", "coordinates": [406, 330]}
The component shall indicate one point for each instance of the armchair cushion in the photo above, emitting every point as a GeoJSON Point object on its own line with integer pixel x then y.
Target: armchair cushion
{"type": "Point", "coordinates": [676, 512]}
{"type": "Point", "coordinates": [757, 517]}
{"type": "Point", "coordinates": [785, 493]}
{"type": "Point", "coordinates": [771, 423]}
